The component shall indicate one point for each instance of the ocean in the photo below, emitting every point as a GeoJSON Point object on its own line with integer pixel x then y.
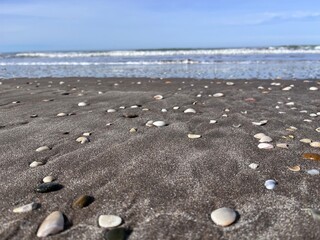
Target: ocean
{"type": "Point", "coordinates": [283, 62]}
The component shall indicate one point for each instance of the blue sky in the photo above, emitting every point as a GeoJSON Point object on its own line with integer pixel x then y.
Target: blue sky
{"type": "Point", "coordinates": [39, 25]}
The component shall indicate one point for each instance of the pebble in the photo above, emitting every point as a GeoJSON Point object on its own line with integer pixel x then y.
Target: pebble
{"type": "Point", "coordinates": [253, 165]}
{"type": "Point", "coordinates": [61, 114]}
{"type": "Point", "coordinates": [128, 115]}
{"type": "Point", "coordinates": [109, 221]}
{"type": "Point", "coordinates": [82, 104]}
{"type": "Point", "coordinates": [218, 95]}
{"type": "Point", "coordinates": [229, 83]}
{"type": "Point", "coordinates": [82, 139]}
{"type": "Point", "coordinates": [48, 187]}
{"type": "Point", "coordinates": [116, 234]}
{"type": "Point", "coordinates": [54, 223]}
{"type": "Point", "coordinates": [158, 97]}
{"type": "Point", "coordinates": [48, 179]}
{"type": "Point", "coordinates": [190, 110]}
{"type": "Point", "coordinates": [82, 201]}
{"type": "Point", "coordinates": [223, 216]}
{"type": "Point", "coordinates": [265, 139]}
{"type": "Point", "coordinates": [194, 136]}
{"type": "Point", "coordinates": [159, 123]}
{"type": "Point", "coordinates": [111, 110]}
{"type": "Point", "coordinates": [265, 146]}
{"type": "Point", "coordinates": [311, 156]}
{"type": "Point", "coordinates": [313, 172]}
{"type": "Point", "coordinates": [36, 164]}
{"type": "Point", "coordinates": [26, 208]}
{"type": "Point", "coordinates": [286, 88]}
{"type": "Point", "coordinates": [315, 144]}
{"type": "Point", "coordinates": [313, 88]}
{"type": "Point", "coordinates": [270, 184]}
{"type": "Point", "coordinates": [43, 148]}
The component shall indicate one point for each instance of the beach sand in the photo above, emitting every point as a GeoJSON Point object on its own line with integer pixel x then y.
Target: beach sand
{"type": "Point", "coordinates": [161, 183]}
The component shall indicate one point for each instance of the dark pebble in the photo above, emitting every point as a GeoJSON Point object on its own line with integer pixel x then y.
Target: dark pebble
{"type": "Point", "coordinates": [116, 234]}
{"type": "Point", "coordinates": [82, 201]}
{"type": "Point", "coordinates": [48, 187]}
{"type": "Point", "coordinates": [128, 115]}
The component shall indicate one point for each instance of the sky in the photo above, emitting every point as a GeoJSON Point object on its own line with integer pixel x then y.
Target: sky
{"type": "Point", "coordinates": [51, 25]}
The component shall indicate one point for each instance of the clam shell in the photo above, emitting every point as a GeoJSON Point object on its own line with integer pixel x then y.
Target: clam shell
{"type": "Point", "coordinates": [149, 123]}
{"type": "Point", "coordinates": [218, 95]}
{"type": "Point", "coordinates": [282, 145]}
{"type": "Point", "coordinates": [259, 135]}
{"type": "Point", "coordinates": [265, 139]}
{"type": "Point", "coordinates": [194, 136]}
{"type": "Point", "coordinates": [306, 140]}
{"type": "Point", "coordinates": [286, 88]}
{"type": "Point", "coordinates": [35, 164]}
{"type": "Point", "coordinates": [315, 144]}
{"type": "Point", "coordinates": [296, 168]}
{"type": "Point", "coordinates": [82, 104]}
{"type": "Point", "coordinates": [263, 122]}
{"type": "Point", "coordinates": [61, 114]}
{"type": "Point", "coordinates": [158, 97]}
{"type": "Point", "coordinates": [43, 148]}
{"type": "Point", "coordinates": [48, 179]}
{"type": "Point", "coordinates": [253, 165]}
{"type": "Point", "coordinates": [159, 123]}
{"type": "Point", "coordinates": [270, 184]}
{"type": "Point", "coordinates": [213, 121]}
{"type": "Point", "coordinates": [265, 146]}
{"type": "Point", "coordinates": [313, 88]}
{"type": "Point", "coordinates": [189, 110]}
{"type": "Point", "coordinates": [54, 223]}
{"type": "Point", "coordinates": [111, 110]}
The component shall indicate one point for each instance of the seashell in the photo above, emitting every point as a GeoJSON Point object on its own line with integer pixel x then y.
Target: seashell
{"type": "Point", "coordinates": [164, 110]}
{"type": "Point", "coordinates": [132, 130]}
{"type": "Point", "coordinates": [176, 108]}
{"type": "Point", "coordinates": [82, 104]}
{"type": "Point", "coordinates": [194, 136]}
{"type": "Point", "coordinates": [149, 123]}
{"type": "Point", "coordinates": [48, 179]}
{"type": "Point", "coordinates": [36, 164]}
{"type": "Point", "coordinates": [259, 135]}
{"type": "Point", "coordinates": [313, 115]}
{"type": "Point", "coordinates": [82, 139]}
{"type": "Point", "coordinates": [315, 144]}
{"type": "Point", "coordinates": [313, 88]}
{"type": "Point", "coordinates": [190, 110]}
{"type": "Point", "coordinates": [306, 140]}
{"type": "Point", "coordinates": [229, 83]}
{"type": "Point", "coordinates": [260, 87]}
{"type": "Point", "coordinates": [311, 156]}
{"type": "Point", "coordinates": [158, 97]}
{"type": "Point", "coordinates": [286, 88]}
{"type": "Point", "coordinates": [290, 104]}
{"type": "Point", "coordinates": [134, 106]}
{"type": "Point", "coordinates": [296, 168]}
{"type": "Point", "coordinates": [109, 221]}
{"type": "Point", "coordinates": [26, 208]}
{"type": "Point", "coordinates": [159, 123]}
{"type": "Point", "coordinates": [111, 110]}
{"type": "Point", "coordinates": [145, 109]}
{"type": "Point", "coordinates": [43, 148]}
{"type": "Point", "coordinates": [270, 184]}
{"type": "Point", "coordinates": [265, 139]}
{"type": "Point", "coordinates": [213, 121]}
{"type": "Point", "coordinates": [263, 122]}
{"type": "Point", "coordinates": [61, 114]}
{"type": "Point", "coordinates": [307, 120]}
{"type": "Point", "coordinates": [318, 129]}
{"type": "Point", "coordinates": [313, 172]}
{"type": "Point", "coordinates": [223, 216]}
{"type": "Point", "coordinates": [34, 115]}
{"type": "Point", "coordinates": [86, 134]}
{"type": "Point", "coordinates": [282, 145]}
{"type": "Point", "coordinates": [54, 223]}
{"type": "Point", "coordinates": [236, 125]}
{"type": "Point", "coordinates": [265, 146]}
{"type": "Point", "coordinates": [218, 95]}
{"type": "Point", "coordinates": [253, 165]}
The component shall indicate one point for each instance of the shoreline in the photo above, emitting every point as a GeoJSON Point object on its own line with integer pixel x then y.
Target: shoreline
{"type": "Point", "coordinates": [161, 183]}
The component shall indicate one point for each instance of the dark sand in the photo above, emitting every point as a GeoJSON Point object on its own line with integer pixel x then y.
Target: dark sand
{"type": "Point", "coordinates": [163, 184]}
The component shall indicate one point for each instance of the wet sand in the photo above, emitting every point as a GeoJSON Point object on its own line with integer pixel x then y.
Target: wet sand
{"type": "Point", "coordinates": [161, 183]}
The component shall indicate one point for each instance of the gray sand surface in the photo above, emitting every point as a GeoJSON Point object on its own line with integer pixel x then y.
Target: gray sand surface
{"type": "Point", "coordinates": [161, 183]}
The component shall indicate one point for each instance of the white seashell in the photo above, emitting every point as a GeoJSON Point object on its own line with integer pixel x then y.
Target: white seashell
{"type": "Point", "coordinates": [158, 97]}
{"type": "Point", "coordinates": [315, 144]}
{"type": "Point", "coordinates": [194, 136]}
{"type": "Point", "coordinates": [159, 123]}
{"type": "Point", "coordinates": [307, 120]}
{"type": "Point", "coordinates": [111, 110]}
{"type": "Point", "coordinates": [134, 106]}
{"type": "Point", "coordinates": [286, 88]}
{"type": "Point", "coordinates": [43, 148]}
{"type": "Point", "coordinates": [199, 95]}
{"type": "Point", "coordinates": [149, 123]}
{"type": "Point", "coordinates": [265, 146]}
{"type": "Point", "coordinates": [265, 139]}
{"type": "Point", "coordinates": [259, 135]}
{"type": "Point", "coordinates": [313, 88]}
{"type": "Point", "coordinates": [318, 129]}
{"type": "Point", "coordinates": [61, 114]}
{"type": "Point", "coordinates": [282, 145]}
{"type": "Point", "coordinates": [313, 115]}
{"type": "Point", "coordinates": [290, 104]}
{"type": "Point", "coordinates": [190, 110]}
{"type": "Point", "coordinates": [223, 216]}
{"type": "Point", "coordinates": [82, 104]}
{"type": "Point", "coordinates": [61, 82]}
{"type": "Point", "coordinates": [306, 140]}
{"type": "Point", "coordinates": [229, 83]}
{"type": "Point", "coordinates": [213, 121]}
{"type": "Point", "coordinates": [313, 172]}
{"type": "Point", "coordinates": [218, 95]}
{"type": "Point", "coordinates": [145, 109]}
{"type": "Point", "coordinates": [132, 130]}
{"type": "Point", "coordinates": [263, 122]}
{"type": "Point", "coordinates": [176, 108]}
{"type": "Point", "coordinates": [35, 164]}
{"type": "Point", "coordinates": [26, 208]}
{"type": "Point", "coordinates": [109, 221]}
{"type": "Point", "coordinates": [253, 165]}
{"type": "Point", "coordinates": [87, 134]}
{"type": "Point", "coordinates": [260, 87]}
{"type": "Point", "coordinates": [164, 110]}
{"type": "Point", "coordinates": [82, 139]}
{"type": "Point", "coordinates": [54, 223]}
{"type": "Point", "coordinates": [48, 179]}
{"type": "Point", "coordinates": [270, 184]}
{"type": "Point", "coordinates": [303, 111]}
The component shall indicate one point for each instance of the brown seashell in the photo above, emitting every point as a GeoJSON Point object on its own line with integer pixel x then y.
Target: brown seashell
{"type": "Point", "coordinates": [311, 156]}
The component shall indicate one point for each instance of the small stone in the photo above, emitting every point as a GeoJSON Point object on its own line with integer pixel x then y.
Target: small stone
{"type": "Point", "coordinates": [194, 136]}
{"type": "Point", "coordinates": [270, 184]}
{"type": "Point", "coordinates": [223, 216]}
{"type": "Point", "coordinates": [111, 110]}
{"type": "Point", "coordinates": [313, 172]}
{"type": "Point", "coordinates": [313, 88]}
{"type": "Point", "coordinates": [43, 148]}
{"type": "Point", "coordinates": [159, 123]}
{"type": "Point", "coordinates": [26, 208]}
{"type": "Point", "coordinates": [54, 223]}
{"type": "Point", "coordinates": [306, 140]}
{"type": "Point", "coordinates": [133, 130]}
{"type": "Point", "coordinates": [190, 110]}
{"type": "Point", "coordinates": [212, 121]}
{"type": "Point", "coordinates": [229, 83]}
{"type": "Point", "coordinates": [265, 146]}
{"type": "Point", "coordinates": [82, 104]}
{"type": "Point", "coordinates": [116, 234]}
{"type": "Point", "coordinates": [82, 201]}
{"type": "Point", "coordinates": [259, 135]}
{"type": "Point", "coordinates": [158, 97]}
{"type": "Point", "coordinates": [128, 115]}
{"type": "Point", "coordinates": [134, 106]}
{"type": "Point", "coordinates": [82, 139]}
{"type": "Point", "coordinates": [315, 144]}
{"type": "Point", "coordinates": [48, 179]}
{"type": "Point", "coordinates": [265, 139]}
{"type": "Point", "coordinates": [311, 156]}
{"type": "Point", "coordinates": [48, 187]}
{"type": "Point", "coordinates": [36, 164]}
{"type": "Point", "coordinates": [61, 114]}
{"type": "Point", "coordinates": [109, 221]}
{"type": "Point", "coordinates": [253, 165]}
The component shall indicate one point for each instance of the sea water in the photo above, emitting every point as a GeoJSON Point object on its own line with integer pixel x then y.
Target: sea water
{"type": "Point", "coordinates": [286, 62]}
